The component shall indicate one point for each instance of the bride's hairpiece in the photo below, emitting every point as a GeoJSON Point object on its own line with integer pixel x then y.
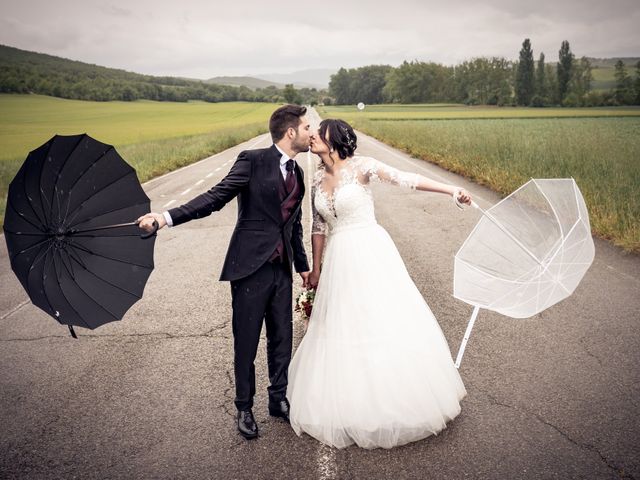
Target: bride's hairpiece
{"type": "Point", "coordinates": [350, 140]}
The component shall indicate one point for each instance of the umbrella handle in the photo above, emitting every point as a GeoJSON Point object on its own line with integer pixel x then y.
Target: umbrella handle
{"type": "Point", "coordinates": [467, 334]}
{"type": "Point", "coordinates": [152, 232]}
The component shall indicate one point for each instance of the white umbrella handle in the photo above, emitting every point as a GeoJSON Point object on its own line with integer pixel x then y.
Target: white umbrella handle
{"type": "Point", "coordinates": [467, 334]}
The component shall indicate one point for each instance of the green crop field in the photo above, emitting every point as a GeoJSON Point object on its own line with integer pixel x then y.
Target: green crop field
{"type": "Point", "coordinates": [504, 147]}
{"type": "Point", "coordinates": [154, 137]}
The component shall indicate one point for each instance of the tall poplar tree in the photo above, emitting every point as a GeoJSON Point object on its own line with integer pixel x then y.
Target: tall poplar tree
{"type": "Point", "coordinates": [565, 65]}
{"type": "Point", "coordinates": [525, 75]}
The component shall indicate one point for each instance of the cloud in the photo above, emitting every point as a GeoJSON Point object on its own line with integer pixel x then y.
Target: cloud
{"type": "Point", "coordinates": [200, 39]}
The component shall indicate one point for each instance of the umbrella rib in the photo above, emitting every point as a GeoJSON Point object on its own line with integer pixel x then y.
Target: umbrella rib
{"type": "Point", "coordinates": [105, 280]}
{"type": "Point", "coordinates": [555, 214]}
{"type": "Point", "coordinates": [105, 213]}
{"type": "Point", "coordinates": [24, 184]}
{"type": "Point", "coordinates": [23, 233]}
{"type": "Point", "coordinates": [531, 220]}
{"type": "Point", "coordinates": [82, 174]}
{"type": "Point", "coordinates": [22, 215]}
{"type": "Point", "coordinates": [516, 280]}
{"type": "Point", "coordinates": [79, 207]}
{"type": "Point", "coordinates": [55, 185]}
{"type": "Point", "coordinates": [68, 261]}
{"type": "Point", "coordinates": [43, 256]}
{"type": "Point", "coordinates": [509, 234]}
{"type": "Point", "coordinates": [107, 236]}
{"type": "Point", "coordinates": [28, 248]}
{"type": "Point", "coordinates": [90, 297]}
{"type": "Point", "coordinates": [86, 324]}
{"type": "Point", "coordinates": [85, 249]}
{"type": "Point", "coordinates": [40, 192]}
{"type": "Point", "coordinates": [77, 258]}
{"type": "Point", "coordinates": [44, 290]}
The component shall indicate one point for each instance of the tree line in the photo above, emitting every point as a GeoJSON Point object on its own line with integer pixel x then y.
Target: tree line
{"type": "Point", "coordinates": [29, 72]}
{"type": "Point", "coordinates": [487, 81]}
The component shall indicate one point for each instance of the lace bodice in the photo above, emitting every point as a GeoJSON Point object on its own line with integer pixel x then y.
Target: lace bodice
{"type": "Point", "coordinates": [351, 202]}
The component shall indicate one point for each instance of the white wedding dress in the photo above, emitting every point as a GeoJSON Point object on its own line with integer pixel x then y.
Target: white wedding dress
{"type": "Point", "coordinates": [374, 367]}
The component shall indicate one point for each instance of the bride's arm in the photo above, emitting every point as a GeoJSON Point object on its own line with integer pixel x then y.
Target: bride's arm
{"type": "Point", "coordinates": [386, 173]}
{"type": "Point", "coordinates": [317, 248]}
{"type": "Point", "coordinates": [318, 235]}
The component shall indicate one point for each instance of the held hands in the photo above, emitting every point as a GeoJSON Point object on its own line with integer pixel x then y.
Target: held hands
{"type": "Point", "coordinates": [314, 277]}
{"type": "Point", "coordinates": [305, 279]}
{"type": "Point", "coordinates": [145, 222]}
{"type": "Point", "coordinates": [310, 279]}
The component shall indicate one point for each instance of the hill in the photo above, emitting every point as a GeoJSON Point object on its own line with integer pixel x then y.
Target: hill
{"type": "Point", "coordinates": [22, 71]}
{"type": "Point", "coordinates": [251, 82]}
{"type": "Point", "coordinates": [311, 78]}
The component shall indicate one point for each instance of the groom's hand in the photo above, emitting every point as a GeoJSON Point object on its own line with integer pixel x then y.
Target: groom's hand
{"type": "Point", "coordinates": [305, 279]}
{"type": "Point", "coordinates": [145, 222]}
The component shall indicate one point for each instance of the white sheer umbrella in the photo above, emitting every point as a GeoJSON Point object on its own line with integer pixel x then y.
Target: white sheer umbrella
{"type": "Point", "coordinates": [527, 252]}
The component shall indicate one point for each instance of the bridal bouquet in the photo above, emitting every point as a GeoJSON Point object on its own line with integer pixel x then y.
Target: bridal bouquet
{"type": "Point", "coordinates": [304, 304]}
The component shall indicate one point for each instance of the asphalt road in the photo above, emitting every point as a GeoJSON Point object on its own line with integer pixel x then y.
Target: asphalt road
{"type": "Point", "coordinates": [151, 396]}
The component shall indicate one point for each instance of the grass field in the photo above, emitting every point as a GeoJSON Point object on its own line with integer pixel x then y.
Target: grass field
{"type": "Point", "coordinates": [154, 137]}
{"type": "Point", "coordinates": [504, 147]}
{"type": "Point", "coordinates": [462, 112]}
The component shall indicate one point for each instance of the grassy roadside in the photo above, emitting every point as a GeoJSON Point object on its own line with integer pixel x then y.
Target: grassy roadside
{"type": "Point", "coordinates": [602, 154]}
{"type": "Point", "coordinates": [153, 137]}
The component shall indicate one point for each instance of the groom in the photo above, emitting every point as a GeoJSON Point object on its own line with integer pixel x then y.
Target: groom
{"type": "Point", "coordinates": [267, 238]}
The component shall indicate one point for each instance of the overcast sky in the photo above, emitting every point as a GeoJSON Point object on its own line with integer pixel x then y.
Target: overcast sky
{"type": "Point", "coordinates": [204, 38]}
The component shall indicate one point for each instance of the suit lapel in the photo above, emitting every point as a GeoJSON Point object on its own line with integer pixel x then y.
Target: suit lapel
{"type": "Point", "coordinates": [274, 176]}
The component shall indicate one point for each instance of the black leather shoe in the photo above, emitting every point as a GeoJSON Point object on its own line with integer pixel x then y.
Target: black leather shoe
{"type": "Point", "coordinates": [280, 409]}
{"type": "Point", "coordinates": [247, 425]}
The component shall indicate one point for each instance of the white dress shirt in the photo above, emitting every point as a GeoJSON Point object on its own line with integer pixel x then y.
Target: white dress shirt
{"type": "Point", "coordinates": [283, 168]}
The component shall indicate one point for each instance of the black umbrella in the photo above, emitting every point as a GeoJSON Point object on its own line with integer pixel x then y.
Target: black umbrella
{"type": "Point", "coordinates": [69, 232]}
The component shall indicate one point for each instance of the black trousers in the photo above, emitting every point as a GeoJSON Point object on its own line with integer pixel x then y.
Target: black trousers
{"type": "Point", "coordinates": [265, 294]}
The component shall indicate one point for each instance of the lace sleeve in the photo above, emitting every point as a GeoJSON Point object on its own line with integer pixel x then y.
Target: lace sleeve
{"type": "Point", "coordinates": [378, 171]}
{"type": "Point", "coordinates": [318, 225]}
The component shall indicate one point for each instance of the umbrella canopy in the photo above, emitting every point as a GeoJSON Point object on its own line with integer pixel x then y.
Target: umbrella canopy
{"type": "Point", "coordinates": [70, 235]}
{"type": "Point", "coordinates": [527, 252]}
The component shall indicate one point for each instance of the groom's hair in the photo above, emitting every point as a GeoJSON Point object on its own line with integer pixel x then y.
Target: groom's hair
{"type": "Point", "coordinates": [287, 116]}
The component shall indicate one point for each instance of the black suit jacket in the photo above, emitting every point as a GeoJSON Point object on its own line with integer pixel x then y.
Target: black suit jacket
{"type": "Point", "coordinates": [253, 178]}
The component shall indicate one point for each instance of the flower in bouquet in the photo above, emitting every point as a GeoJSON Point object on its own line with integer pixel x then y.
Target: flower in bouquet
{"type": "Point", "coordinates": [304, 305]}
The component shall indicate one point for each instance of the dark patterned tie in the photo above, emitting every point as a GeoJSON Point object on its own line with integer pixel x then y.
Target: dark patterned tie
{"type": "Point", "coordinates": [290, 181]}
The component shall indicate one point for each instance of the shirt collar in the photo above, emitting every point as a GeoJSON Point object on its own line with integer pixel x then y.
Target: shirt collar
{"type": "Point", "coordinates": [284, 158]}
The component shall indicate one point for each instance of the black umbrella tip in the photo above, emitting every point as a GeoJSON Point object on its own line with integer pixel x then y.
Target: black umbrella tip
{"type": "Point", "coordinates": [72, 331]}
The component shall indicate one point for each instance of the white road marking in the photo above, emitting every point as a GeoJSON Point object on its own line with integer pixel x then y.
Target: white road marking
{"type": "Point", "coordinates": [186, 191]}
{"type": "Point", "coordinates": [260, 138]}
{"type": "Point", "coordinates": [169, 203]}
{"type": "Point", "coordinates": [209, 175]}
{"type": "Point", "coordinates": [15, 309]}
{"type": "Point", "coordinates": [217, 169]}
{"type": "Point", "coordinates": [199, 182]}
{"type": "Point", "coordinates": [326, 461]}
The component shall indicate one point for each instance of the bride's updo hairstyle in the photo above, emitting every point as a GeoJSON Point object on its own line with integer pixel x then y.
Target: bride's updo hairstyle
{"type": "Point", "coordinates": [342, 138]}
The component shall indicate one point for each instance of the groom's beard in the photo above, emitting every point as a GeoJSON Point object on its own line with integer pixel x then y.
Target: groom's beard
{"type": "Point", "coordinates": [299, 146]}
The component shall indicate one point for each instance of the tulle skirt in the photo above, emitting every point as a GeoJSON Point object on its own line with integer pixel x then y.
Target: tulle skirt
{"type": "Point", "coordinates": [374, 367]}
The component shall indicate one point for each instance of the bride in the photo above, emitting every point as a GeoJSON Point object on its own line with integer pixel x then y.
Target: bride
{"type": "Point", "coordinates": [373, 368]}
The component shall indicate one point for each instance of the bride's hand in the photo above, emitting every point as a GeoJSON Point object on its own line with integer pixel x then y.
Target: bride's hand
{"type": "Point", "coordinates": [314, 277]}
{"type": "Point", "coordinates": [463, 196]}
